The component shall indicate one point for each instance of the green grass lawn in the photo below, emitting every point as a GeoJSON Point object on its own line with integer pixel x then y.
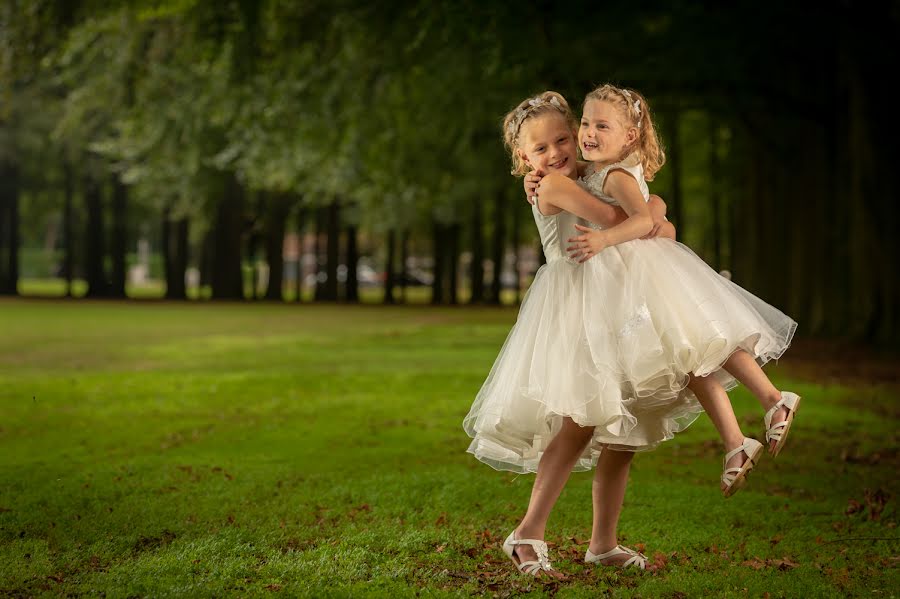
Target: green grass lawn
{"type": "Point", "coordinates": [158, 449]}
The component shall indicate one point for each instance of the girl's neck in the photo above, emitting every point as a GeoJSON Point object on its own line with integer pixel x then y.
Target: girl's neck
{"type": "Point", "coordinates": [602, 164]}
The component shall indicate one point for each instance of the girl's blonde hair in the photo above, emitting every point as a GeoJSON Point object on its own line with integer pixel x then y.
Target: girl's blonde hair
{"type": "Point", "coordinates": [544, 103]}
{"type": "Point", "coordinates": [637, 114]}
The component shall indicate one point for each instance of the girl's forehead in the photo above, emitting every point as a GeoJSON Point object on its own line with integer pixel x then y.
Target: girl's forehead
{"type": "Point", "coordinates": [544, 125]}
{"type": "Point", "coordinates": [599, 108]}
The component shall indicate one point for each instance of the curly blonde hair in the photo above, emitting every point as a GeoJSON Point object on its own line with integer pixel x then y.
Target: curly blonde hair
{"type": "Point", "coordinates": [636, 112]}
{"type": "Point", "coordinates": [548, 102]}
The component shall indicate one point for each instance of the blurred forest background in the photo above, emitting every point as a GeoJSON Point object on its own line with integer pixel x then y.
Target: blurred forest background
{"type": "Point", "coordinates": [345, 151]}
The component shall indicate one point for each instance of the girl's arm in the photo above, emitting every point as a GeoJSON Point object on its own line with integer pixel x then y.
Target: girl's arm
{"type": "Point", "coordinates": [557, 193]}
{"type": "Point", "coordinates": [667, 230]}
{"type": "Point", "coordinates": [661, 226]}
{"type": "Point", "coordinates": [624, 188]}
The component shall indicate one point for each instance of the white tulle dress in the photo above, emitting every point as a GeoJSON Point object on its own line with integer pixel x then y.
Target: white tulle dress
{"type": "Point", "coordinates": [610, 343]}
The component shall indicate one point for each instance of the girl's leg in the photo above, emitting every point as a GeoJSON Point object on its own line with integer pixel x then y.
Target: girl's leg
{"type": "Point", "coordinates": [610, 480]}
{"type": "Point", "coordinates": [744, 368]}
{"type": "Point", "coordinates": [553, 471]}
{"type": "Point", "coordinates": [714, 399]}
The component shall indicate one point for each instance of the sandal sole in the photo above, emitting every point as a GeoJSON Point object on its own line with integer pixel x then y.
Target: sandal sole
{"type": "Point", "coordinates": [741, 477]}
{"type": "Point", "coordinates": [784, 435]}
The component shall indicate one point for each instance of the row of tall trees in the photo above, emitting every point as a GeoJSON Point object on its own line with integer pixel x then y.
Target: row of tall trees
{"type": "Point", "coordinates": [228, 124]}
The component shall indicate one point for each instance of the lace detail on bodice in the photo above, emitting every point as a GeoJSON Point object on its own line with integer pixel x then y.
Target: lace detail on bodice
{"type": "Point", "coordinates": [594, 180]}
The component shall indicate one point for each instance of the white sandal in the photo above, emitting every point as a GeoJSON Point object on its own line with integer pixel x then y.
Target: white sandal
{"type": "Point", "coordinates": [528, 567]}
{"type": "Point", "coordinates": [638, 560]}
{"type": "Point", "coordinates": [734, 478]}
{"type": "Point", "coordinates": [779, 432]}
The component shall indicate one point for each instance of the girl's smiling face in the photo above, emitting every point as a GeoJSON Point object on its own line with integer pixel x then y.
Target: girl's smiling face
{"type": "Point", "coordinates": [603, 135]}
{"type": "Point", "coordinates": [547, 145]}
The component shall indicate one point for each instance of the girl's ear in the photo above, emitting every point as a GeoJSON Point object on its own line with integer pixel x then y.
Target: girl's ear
{"type": "Point", "coordinates": [522, 156]}
{"type": "Point", "coordinates": [631, 135]}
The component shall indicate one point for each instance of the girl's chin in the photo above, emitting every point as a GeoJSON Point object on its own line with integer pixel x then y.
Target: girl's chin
{"type": "Point", "coordinates": [566, 170]}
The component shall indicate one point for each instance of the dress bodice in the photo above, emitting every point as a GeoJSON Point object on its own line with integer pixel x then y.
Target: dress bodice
{"type": "Point", "coordinates": [594, 179]}
{"type": "Point", "coordinates": [555, 231]}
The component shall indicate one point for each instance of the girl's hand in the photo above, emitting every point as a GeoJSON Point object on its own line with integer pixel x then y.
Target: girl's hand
{"type": "Point", "coordinates": [532, 180]}
{"type": "Point", "coordinates": [658, 214]}
{"type": "Point", "coordinates": [588, 244]}
{"type": "Point", "coordinates": [658, 225]}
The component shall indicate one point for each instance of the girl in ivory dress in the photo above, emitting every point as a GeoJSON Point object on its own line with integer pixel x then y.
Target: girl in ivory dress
{"type": "Point", "coordinates": [662, 323]}
{"type": "Point", "coordinates": [545, 401]}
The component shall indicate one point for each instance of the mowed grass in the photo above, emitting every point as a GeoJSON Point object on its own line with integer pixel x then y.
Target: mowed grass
{"type": "Point", "coordinates": [157, 449]}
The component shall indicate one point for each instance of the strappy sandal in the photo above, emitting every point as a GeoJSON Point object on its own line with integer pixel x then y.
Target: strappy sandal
{"type": "Point", "coordinates": [527, 567]}
{"type": "Point", "coordinates": [734, 478]}
{"type": "Point", "coordinates": [779, 432]}
{"type": "Point", "coordinates": [638, 560]}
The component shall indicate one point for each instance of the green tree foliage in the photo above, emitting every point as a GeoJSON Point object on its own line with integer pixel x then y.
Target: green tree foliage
{"type": "Point", "coordinates": [383, 119]}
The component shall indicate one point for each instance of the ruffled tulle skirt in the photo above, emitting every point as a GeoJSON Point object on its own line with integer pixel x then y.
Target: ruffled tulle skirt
{"type": "Point", "coordinates": [610, 343]}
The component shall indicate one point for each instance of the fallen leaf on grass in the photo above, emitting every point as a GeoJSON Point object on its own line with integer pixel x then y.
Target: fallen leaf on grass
{"type": "Point", "coordinates": [784, 563]}
{"type": "Point", "coordinates": [578, 541]}
{"type": "Point", "coordinates": [876, 501]}
{"type": "Point", "coordinates": [853, 506]}
{"type": "Point", "coordinates": [361, 508]}
{"type": "Point", "coordinates": [659, 562]}
{"type": "Point", "coordinates": [440, 548]}
{"type": "Point", "coordinates": [755, 563]}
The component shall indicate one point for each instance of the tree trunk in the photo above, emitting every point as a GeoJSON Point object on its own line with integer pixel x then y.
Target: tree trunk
{"type": "Point", "coordinates": [227, 276]}
{"type": "Point", "coordinates": [453, 270]}
{"type": "Point", "coordinates": [181, 259]}
{"type": "Point", "coordinates": [207, 252]}
{"type": "Point", "coordinates": [404, 269]}
{"type": "Point", "coordinates": [351, 290]}
{"type": "Point", "coordinates": [68, 226]}
{"type": "Point", "coordinates": [119, 237]}
{"type": "Point", "coordinates": [95, 255]}
{"type": "Point", "coordinates": [175, 250]}
{"type": "Point", "coordinates": [497, 248]}
{"type": "Point", "coordinates": [4, 208]}
{"type": "Point", "coordinates": [9, 229]}
{"type": "Point", "coordinates": [439, 251]}
{"type": "Point", "coordinates": [476, 269]}
{"type": "Point", "coordinates": [321, 217]}
{"type": "Point", "coordinates": [298, 283]}
{"type": "Point", "coordinates": [389, 279]}
{"type": "Point", "coordinates": [168, 261]}
{"type": "Point", "coordinates": [276, 218]}
{"type": "Point", "coordinates": [333, 246]}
